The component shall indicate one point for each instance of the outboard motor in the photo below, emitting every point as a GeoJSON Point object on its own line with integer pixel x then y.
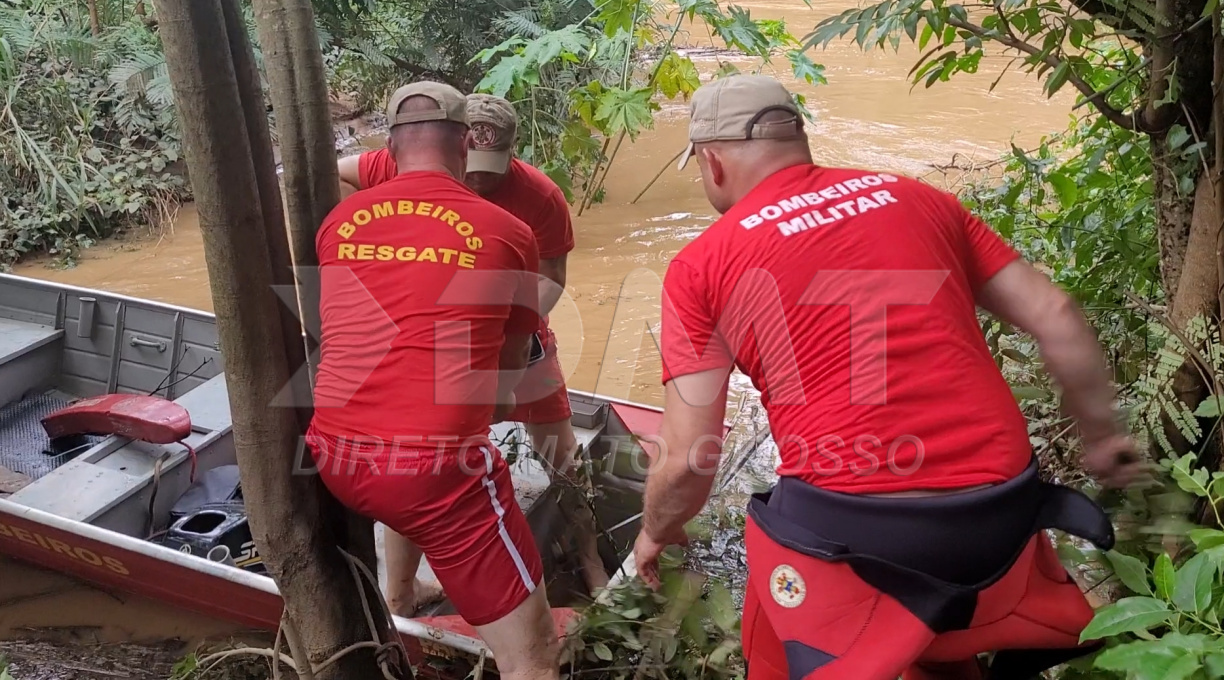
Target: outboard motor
{"type": "Point", "coordinates": [209, 521]}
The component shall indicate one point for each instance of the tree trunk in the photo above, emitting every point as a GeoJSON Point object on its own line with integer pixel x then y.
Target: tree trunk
{"type": "Point", "coordinates": [1218, 120]}
{"type": "Point", "coordinates": [95, 21]}
{"type": "Point", "coordinates": [298, 80]}
{"type": "Point", "coordinates": [285, 511]}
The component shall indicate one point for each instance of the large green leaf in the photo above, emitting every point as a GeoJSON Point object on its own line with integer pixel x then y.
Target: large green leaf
{"type": "Point", "coordinates": [627, 111]}
{"type": "Point", "coordinates": [1130, 571]}
{"type": "Point", "coordinates": [805, 68]}
{"type": "Point", "coordinates": [1192, 589]}
{"type": "Point", "coordinates": [1205, 539]}
{"type": "Point", "coordinates": [1065, 188]}
{"type": "Point", "coordinates": [502, 77]}
{"type": "Point", "coordinates": [1128, 615]}
{"type": "Point", "coordinates": [618, 15]}
{"type": "Point", "coordinates": [1191, 480]}
{"type": "Point", "coordinates": [1164, 576]}
{"type": "Point", "coordinates": [677, 75]}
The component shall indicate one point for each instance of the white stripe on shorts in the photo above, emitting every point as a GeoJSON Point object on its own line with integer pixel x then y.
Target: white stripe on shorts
{"type": "Point", "coordinates": [501, 525]}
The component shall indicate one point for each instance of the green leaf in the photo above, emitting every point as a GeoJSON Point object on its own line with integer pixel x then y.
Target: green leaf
{"type": "Point", "coordinates": [1184, 667]}
{"type": "Point", "coordinates": [632, 613]}
{"type": "Point", "coordinates": [1127, 615]}
{"type": "Point", "coordinates": [1130, 571]}
{"type": "Point", "coordinates": [739, 30]}
{"type": "Point", "coordinates": [722, 608]}
{"type": "Point", "coordinates": [1136, 659]}
{"type": "Point", "coordinates": [601, 650]}
{"type": "Point", "coordinates": [1210, 407]}
{"type": "Point", "coordinates": [806, 69]}
{"type": "Point", "coordinates": [1192, 590]}
{"type": "Point", "coordinates": [1064, 187]}
{"type": "Point", "coordinates": [1026, 392]}
{"type": "Point", "coordinates": [1214, 664]}
{"type": "Point", "coordinates": [1058, 78]}
{"type": "Point", "coordinates": [1205, 539]}
{"type": "Point", "coordinates": [677, 75]}
{"type": "Point", "coordinates": [502, 77]}
{"type": "Point", "coordinates": [1164, 576]}
{"type": "Point", "coordinates": [617, 16]}
{"type": "Point", "coordinates": [1177, 137]}
{"type": "Point", "coordinates": [1210, 7]}
{"type": "Point", "coordinates": [1193, 481]}
{"type": "Point", "coordinates": [627, 111]}
{"type": "Point", "coordinates": [928, 32]}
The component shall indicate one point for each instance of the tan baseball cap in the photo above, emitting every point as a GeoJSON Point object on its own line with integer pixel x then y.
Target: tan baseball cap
{"type": "Point", "coordinates": [452, 105]}
{"type": "Point", "coordinates": [728, 109]}
{"type": "Point", "coordinates": [494, 130]}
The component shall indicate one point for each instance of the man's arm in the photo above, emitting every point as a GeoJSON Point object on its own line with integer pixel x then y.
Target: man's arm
{"type": "Point", "coordinates": [514, 354]}
{"type": "Point", "coordinates": [682, 473]}
{"type": "Point", "coordinates": [1026, 298]}
{"type": "Point", "coordinates": [350, 175]}
{"type": "Point", "coordinates": [552, 269]}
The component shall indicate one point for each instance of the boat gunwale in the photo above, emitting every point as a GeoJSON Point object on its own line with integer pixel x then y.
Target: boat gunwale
{"type": "Point", "coordinates": [199, 565]}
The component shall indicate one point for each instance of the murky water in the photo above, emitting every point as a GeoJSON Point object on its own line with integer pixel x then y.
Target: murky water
{"type": "Point", "coordinates": [866, 116]}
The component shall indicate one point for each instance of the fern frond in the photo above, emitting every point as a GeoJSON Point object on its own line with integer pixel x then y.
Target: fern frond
{"type": "Point", "coordinates": [524, 22]}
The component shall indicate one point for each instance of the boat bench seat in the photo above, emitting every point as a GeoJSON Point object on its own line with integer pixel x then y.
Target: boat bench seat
{"type": "Point", "coordinates": [29, 358]}
{"type": "Point", "coordinates": [93, 487]}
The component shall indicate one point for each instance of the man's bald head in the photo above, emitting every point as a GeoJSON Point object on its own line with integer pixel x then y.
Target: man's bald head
{"type": "Point", "coordinates": [732, 168]}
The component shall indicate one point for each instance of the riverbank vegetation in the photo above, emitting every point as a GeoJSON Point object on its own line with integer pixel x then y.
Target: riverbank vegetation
{"type": "Point", "coordinates": [1122, 209]}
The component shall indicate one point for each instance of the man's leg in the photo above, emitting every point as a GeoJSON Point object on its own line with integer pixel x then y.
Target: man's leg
{"type": "Point", "coordinates": [556, 444]}
{"type": "Point", "coordinates": [524, 641]}
{"type": "Point", "coordinates": [405, 592]}
{"type": "Point", "coordinates": [483, 552]}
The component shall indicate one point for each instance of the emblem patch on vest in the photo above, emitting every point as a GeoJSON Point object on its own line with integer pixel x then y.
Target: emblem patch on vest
{"type": "Point", "coordinates": [787, 586]}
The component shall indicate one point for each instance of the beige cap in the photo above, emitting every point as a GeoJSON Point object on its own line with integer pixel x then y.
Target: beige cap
{"type": "Point", "coordinates": [452, 105]}
{"type": "Point", "coordinates": [728, 109]}
{"type": "Point", "coordinates": [494, 130]}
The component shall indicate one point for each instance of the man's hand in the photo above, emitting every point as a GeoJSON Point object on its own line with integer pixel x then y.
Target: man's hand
{"type": "Point", "coordinates": [646, 553]}
{"type": "Point", "coordinates": [1112, 461]}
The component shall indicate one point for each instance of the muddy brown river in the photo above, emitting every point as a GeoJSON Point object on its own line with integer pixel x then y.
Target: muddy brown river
{"type": "Point", "coordinates": [867, 115]}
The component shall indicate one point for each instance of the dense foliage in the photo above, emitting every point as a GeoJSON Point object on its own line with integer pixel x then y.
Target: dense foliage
{"type": "Point", "coordinates": [88, 141]}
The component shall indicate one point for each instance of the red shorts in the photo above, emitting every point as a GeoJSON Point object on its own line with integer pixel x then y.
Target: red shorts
{"type": "Point", "coordinates": [541, 395]}
{"type": "Point", "coordinates": [807, 619]}
{"type": "Point", "coordinates": [458, 507]}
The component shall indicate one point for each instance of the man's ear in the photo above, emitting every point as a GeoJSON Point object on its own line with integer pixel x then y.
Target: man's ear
{"type": "Point", "coordinates": [717, 174]}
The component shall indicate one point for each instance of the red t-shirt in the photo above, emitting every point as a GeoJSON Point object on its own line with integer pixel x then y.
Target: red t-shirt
{"type": "Point", "coordinates": [526, 193]}
{"type": "Point", "coordinates": [905, 397]}
{"type": "Point", "coordinates": [421, 280]}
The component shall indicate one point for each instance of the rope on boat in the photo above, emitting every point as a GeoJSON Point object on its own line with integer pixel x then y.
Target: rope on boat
{"type": "Point", "coordinates": [389, 655]}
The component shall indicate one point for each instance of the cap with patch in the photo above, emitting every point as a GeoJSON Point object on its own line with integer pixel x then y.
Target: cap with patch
{"type": "Point", "coordinates": [728, 109]}
{"type": "Point", "coordinates": [494, 129]}
{"type": "Point", "coordinates": [452, 105]}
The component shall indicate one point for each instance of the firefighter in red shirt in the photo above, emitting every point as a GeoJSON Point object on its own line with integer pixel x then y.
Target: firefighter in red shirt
{"type": "Point", "coordinates": [428, 300]}
{"type": "Point", "coordinates": [905, 535]}
{"type": "Point", "coordinates": [542, 399]}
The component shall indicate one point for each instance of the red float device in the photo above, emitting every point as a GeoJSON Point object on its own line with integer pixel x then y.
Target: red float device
{"type": "Point", "coordinates": [138, 416]}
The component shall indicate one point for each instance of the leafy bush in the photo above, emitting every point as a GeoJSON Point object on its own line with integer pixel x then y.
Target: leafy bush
{"type": "Point", "coordinates": [88, 139]}
{"type": "Point", "coordinates": [689, 629]}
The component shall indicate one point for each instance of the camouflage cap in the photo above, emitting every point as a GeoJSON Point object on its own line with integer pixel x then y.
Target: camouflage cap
{"type": "Point", "coordinates": [452, 105]}
{"type": "Point", "coordinates": [729, 109]}
{"type": "Point", "coordinates": [494, 130]}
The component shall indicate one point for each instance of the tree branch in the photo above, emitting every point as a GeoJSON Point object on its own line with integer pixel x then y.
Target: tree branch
{"type": "Point", "coordinates": [1128, 121]}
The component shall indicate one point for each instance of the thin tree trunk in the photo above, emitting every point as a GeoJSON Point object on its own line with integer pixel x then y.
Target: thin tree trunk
{"type": "Point", "coordinates": [95, 22]}
{"type": "Point", "coordinates": [1218, 116]}
{"type": "Point", "coordinates": [284, 509]}
{"type": "Point", "coordinates": [298, 80]}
